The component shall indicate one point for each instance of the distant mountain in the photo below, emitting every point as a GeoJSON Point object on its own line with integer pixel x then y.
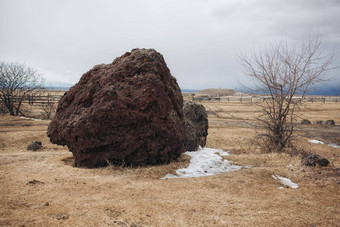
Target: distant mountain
{"type": "Point", "coordinates": [188, 90]}
{"type": "Point", "coordinates": [322, 90]}
{"type": "Point", "coordinates": [57, 85]}
{"type": "Point", "coordinates": [327, 90]}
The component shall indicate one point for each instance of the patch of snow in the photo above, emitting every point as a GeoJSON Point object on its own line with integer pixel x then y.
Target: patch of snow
{"type": "Point", "coordinates": [281, 187]}
{"type": "Point", "coordinates": [320, 142]}
{"type": "Point", "coordinates": [285, 181]}
{"type": "Point", "coordinates": [316, 141]}
{"type": "Point", "coordinates": [334, 145]}
{"type": "Point", "coordinates": [28, 118]}
{"type": "Point", "coordinates": [204, 162]}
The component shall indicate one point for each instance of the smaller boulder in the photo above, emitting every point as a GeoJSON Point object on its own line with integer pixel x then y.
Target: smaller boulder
{"type": "Point", "coordinates": [34, 146]}
{"type": "Point", "coordinates": [312, 159]}
{"type": "Point", "coordinates": [318, 122]}
{"type": "Point", "coordinates": [305, 122]}
{"type": "Point", "coordinates": [330, 122]}
{"type": "Point", "coordinates": [196, 125]}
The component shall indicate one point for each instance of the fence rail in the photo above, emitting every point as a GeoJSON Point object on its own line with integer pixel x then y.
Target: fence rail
{"type": "Point", "coordinates": [258, 99]}
{"type": "Point", "coordinates": [47, 99]}
{"type": "Point", "coordinates": [41, 99]}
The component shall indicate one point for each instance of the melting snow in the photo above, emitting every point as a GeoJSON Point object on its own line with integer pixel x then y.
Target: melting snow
{"type": "Point", "coordinates": [316, 141]}
{"type": "Point", "coordinates": [334, 145]}
{"type": "Point", "coordinates": [34, 119]}
{"type": "Point", "coordinates": [320, 142]}
{"type": "Point", "coordinates": [205, 162]}
{"type": "Point", "coordinates": [285, 181]}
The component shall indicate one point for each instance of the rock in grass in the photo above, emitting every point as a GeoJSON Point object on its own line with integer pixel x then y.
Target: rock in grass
{"type": "Point", "coordinates": [312, 159]}
{"type": "Point", "coordinates": [196, 125]}
{"type": "Point", "coordinates": [130, 111]}
{"type": "Point", "coordinates": [305, 122]}
{"type": "Point", "coordinates": [34, 146]}
{"type": "Point", "coordinates": [319, 122]}
{"type": "Point", "coordinates": [330, 122]}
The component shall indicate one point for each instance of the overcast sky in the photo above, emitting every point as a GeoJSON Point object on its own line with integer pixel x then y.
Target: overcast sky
{"type": "Point", "coordinates": [199, 39]}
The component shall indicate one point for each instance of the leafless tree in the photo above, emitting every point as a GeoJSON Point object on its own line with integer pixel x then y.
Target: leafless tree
{"type": "Point", "coordinates": [16, 82]}
{"type": "Point", "coordinates": [284, 71]}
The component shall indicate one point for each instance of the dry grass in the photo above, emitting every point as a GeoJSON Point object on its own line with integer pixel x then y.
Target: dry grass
{"type": "Point", "coordinates": [62, 195]}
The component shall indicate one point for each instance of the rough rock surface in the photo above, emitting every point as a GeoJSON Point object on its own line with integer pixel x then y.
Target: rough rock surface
{"type": "Point", "coordinates": [34, 146]}
{"type": "Point", "coordinates": [196, 125]}
{"type": "Point", "coordinates": [312, 159]}
{"type": "Point", "coordinates": [305, 122]}
{"type": "Point", "coordinates": [127, 112]}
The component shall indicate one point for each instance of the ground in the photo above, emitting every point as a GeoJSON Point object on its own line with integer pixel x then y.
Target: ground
{"type": "Point", "coordinates": [42, 188]}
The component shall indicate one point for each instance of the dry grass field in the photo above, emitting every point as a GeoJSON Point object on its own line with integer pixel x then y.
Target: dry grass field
{"type": "Point", "coordinates": [43, 189]}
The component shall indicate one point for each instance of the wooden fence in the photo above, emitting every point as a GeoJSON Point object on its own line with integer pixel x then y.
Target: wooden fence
{"type": "Point", "coordinates": [34, 99]}
{"type": "Point", "coordinates": [258, 99]}
{"type": "Point", "coordinates": [41, 99]}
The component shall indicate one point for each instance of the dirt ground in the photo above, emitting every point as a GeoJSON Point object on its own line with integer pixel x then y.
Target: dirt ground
{"type": "Point", "coordinates": [43, 189]}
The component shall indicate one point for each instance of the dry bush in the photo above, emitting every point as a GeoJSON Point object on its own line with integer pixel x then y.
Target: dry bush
{"type": "Point", "coordinates": [48, 110]}
{"type": "Point", "coordinates": [283, 72]}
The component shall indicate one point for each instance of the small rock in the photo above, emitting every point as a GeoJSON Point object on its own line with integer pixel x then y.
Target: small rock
{"type": "Point", "coordinates": [196, 125]}
{"type": "Point", "coordinates": [47, 204]}
{"type": "Point", "coordinates": [305, 122]}
{"type": "Point", "coordinates": [34, 146]}
{"type": "Point", "coordinates": [318, 122]}
{"type": "Point", "coordinates": [33, 182]}
{"type": "Point", "coordinates": [330, 122]}
{"type": "Point", "coordinates": [61, 216]}
{"type": "Point", "coordinates": [312, 159]}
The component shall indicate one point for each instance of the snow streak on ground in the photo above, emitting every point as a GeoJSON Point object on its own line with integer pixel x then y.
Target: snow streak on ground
{"type": "Point", "coordinates": [334, 145]}
{"type": "Point", "coordinates": [29, 118]}
{"type": "Point", "coordinates": [316, 141]}
{"type": "Point", "coordinates": [285, 181]}
{"type": "Point", "coordinates": [204, 162]}
{"type": "Point", "coordinates": [320, 142]}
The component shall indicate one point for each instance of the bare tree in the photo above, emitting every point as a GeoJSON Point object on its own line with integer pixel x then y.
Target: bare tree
{"type": "Point", "coordinates": [16, 82]}
{"type": "Point", "coordinates": [283, 72]}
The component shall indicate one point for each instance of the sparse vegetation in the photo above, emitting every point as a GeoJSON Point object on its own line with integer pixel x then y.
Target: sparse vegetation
{"type": "Point", "coordinates": [283, 71]}
{"type": "Point", "coordinates": [48, 110]}
{"type": "Point", "coordinates": [111, 195]}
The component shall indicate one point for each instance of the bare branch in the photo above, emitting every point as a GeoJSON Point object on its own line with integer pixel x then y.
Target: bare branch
{"type": "Point", "coordinates": [283, 71]}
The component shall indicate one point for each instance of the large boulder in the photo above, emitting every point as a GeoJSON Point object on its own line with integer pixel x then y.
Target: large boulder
{"type": "Point", "coordinates": [127, 112]}
{"type": "Point", "coordinates": [196, 125]}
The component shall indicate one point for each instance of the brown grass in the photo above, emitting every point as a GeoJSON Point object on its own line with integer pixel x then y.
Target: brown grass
{"type": "Point", "coordinates": [62, 195]}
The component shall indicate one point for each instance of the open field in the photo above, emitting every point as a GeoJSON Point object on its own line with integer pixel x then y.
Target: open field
{"type": "Point", "coordinates": [43, 189]}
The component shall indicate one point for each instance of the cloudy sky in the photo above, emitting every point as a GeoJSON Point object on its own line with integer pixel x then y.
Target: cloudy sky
{"type": "Point", "coordinates": [199, 39]}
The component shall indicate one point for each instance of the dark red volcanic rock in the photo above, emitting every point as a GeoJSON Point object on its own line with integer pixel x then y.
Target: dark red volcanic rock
{"type": "Point", "coordinates": [196, 125]}
{"type": "Point", "coordinates": [128, 112]}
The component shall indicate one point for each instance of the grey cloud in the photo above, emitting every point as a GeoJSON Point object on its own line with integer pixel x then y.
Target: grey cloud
{"type": "Point", "coordinates": [199, 39]}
